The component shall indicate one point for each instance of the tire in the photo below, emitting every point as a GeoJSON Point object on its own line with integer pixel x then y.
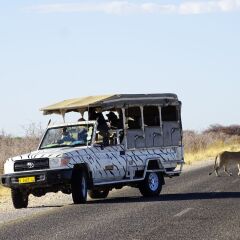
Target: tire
{"type": "Point", "coordinates": [19, 199]}
{"type": "Point", "coordinates": [152, 184]}
{"type": "Point", "coordinates": [79, 187]}
{"type": "Point", "coordinates": [94, 194]}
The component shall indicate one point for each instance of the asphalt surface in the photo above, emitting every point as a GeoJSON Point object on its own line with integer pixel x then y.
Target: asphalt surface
{"type": "Point", "coordinates": [192, 206]}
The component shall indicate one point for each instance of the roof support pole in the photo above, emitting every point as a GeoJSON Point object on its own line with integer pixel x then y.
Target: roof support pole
{"type": "Point", "coordinates": [81, 111]}
{"type": "Point", "coordinates": [142, 119]}
{"type": "Point", "coordinates": [160, 119]}
{"type": "Point", "coordinates": [124, 127]}
{"type": "Point", "coordinates": [63, 114]}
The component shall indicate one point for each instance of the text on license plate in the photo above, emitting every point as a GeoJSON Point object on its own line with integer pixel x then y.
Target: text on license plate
{"type": "Point", "coordinates": [26, 180]}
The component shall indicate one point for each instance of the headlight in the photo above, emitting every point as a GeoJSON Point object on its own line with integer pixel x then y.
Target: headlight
{"type": "Point", "coordinates": [8, 167]}
{"type": "Point", "coordinates": [59, 162]}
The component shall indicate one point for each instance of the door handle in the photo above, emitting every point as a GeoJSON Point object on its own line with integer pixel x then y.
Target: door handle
{"type": "Point", "coordinates": [109, 167]}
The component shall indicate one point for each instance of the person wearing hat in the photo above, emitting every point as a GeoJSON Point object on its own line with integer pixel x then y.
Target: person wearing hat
{"type": "Point", "coordinates": [113, 120]}
{"type": "Point", "coordinates": [115, 123]}
{"type": "Point", "coordinates": [102, 127]}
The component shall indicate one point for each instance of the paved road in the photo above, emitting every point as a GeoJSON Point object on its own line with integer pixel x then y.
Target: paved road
{"type": "Point", "coordinates": [192, 206]}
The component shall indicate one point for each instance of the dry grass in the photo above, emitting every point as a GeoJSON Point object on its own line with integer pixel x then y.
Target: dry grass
{"type": "Point", "coordinates": [206, 145]}
{"type": "Point", "coordinates": [4, 191]}
{"type": "Point", "coordinates": [209, 153]}
{"type": "Point", "coordinates": [12, 146]}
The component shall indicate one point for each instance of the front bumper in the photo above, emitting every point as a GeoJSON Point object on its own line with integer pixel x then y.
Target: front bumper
{"type": "Point", "coordinates": [47, 178]}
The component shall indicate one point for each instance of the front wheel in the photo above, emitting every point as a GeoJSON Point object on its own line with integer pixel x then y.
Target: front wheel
{"type": "Point", "coordinates": [79, 187]}
{"type": "Point", "coordinates": [19, 198]}
{"type": "Point", "coordinates": [152, 184]}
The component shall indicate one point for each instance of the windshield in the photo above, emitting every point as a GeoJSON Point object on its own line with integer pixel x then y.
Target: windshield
{"type": "Point", "coordinates": [68, 136]}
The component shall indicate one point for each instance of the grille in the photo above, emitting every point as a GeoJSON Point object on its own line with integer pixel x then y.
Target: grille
{"type": "Point", "coordinates": [31, 164]}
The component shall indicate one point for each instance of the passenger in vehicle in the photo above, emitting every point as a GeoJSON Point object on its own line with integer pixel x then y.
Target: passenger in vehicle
{"type": "Point", "coordinates": [115, 124]}
{"type": "Point", "coordinates": [113, 120]}
{"type": "Point", "coordinates": [96, 114]}
{"type": "Point", "coordinates": [65, 136]}
{"type": "Point", "coordinates": [133, 124]}
{"type": "Point", "coordinates": [82, 135]}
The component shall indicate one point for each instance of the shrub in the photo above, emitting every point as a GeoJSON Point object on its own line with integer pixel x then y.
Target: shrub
{"type": "Point", "coordinates": [232, 130]}
{"type": "Point", "coordinates": [210, 142]}
{"type": "Point", "coordinates": [11, 146]}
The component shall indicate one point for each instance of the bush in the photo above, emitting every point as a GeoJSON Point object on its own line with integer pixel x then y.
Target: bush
{"type": "Point", "coordinates": [214, 136]}
{"type": "Point", "coordinates": [11, 146]}
{"type": "Point", "coordinates": [232, 130]}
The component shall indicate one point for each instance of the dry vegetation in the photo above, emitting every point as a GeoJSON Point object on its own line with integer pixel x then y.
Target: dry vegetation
{"type": "Point", "coordinates": [197, 146]}
{"type": "Point", "coordinates": [205, 145]}
{"type": "Point", "coordinates": [4, 192]}
{"type": "Point", "coordinates": [11, 146]}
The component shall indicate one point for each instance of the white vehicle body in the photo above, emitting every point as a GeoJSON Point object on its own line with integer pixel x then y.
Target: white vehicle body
{"type": "Point", "coordinates": [152, 148]}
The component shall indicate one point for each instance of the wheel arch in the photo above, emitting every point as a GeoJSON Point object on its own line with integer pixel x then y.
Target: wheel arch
{"type": "Point", "coordinates": [155, 164]}
{"type": "Point", "coordinates": [83, 167]}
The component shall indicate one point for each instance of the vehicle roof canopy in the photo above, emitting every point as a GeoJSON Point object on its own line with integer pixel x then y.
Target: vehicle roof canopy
{"type": "Point", "coordinates": [107, 102]}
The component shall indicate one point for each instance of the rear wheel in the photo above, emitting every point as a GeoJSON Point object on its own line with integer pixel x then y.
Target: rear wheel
{"type": "Point", "coordinates": [19, 198]}
{"type": "Point", "coordinates": [152, 184]}
{"type": "Point", "coordinates": [103, 193]}
{"type": "Point", "coordinates": [79, 187]}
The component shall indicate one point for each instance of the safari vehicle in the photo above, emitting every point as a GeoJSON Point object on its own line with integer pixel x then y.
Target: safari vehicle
{"type": "Point", "coordinates": [127, 140]}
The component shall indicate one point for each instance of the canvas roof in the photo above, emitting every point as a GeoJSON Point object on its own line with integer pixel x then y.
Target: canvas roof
{"type": "Point", "coordinates": [108, 101]}
{"type": "Point", "coordinates": [75, 104]}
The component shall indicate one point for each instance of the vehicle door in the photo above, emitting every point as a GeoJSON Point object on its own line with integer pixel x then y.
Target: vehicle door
{"type": "Point", "coordinates": [110, 160]}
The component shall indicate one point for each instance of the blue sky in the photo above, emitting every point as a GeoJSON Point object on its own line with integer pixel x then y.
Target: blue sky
{"type": "Point", "coordinates": [55, 50]}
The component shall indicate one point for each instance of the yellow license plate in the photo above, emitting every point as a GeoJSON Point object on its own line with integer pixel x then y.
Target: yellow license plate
{"type": "Point", "coordinates": [26, 180]}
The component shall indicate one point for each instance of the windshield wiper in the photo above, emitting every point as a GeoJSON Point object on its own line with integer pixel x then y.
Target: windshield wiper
{"type": "Point", "coordinates": [78, 144]}
{"type": "Point", "coordinates": [56, 146]}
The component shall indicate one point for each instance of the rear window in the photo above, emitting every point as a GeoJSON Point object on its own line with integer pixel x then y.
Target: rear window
{"type": "Point", "coordinates": [151, 116]}
{"type": "Point", "coordinates": [169, 113]}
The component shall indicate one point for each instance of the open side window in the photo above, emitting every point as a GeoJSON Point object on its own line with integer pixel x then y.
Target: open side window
{"type": "Point", "coordinates": [135, 136]}
{"type": "Point", "coordinates": [151, 116]}
{"type": "Point", "coordinates": [170, 114]}
{"type": "Point", "coordinates": [152, 127]}
{"type": "Point", "coordinates": [171, 125]}
{"type": "Point", "coordinates": [133, 118]}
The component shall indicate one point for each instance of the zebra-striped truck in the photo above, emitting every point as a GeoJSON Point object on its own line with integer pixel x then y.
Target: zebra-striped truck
{"type": "Point", "coordinates": [125, 140]}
